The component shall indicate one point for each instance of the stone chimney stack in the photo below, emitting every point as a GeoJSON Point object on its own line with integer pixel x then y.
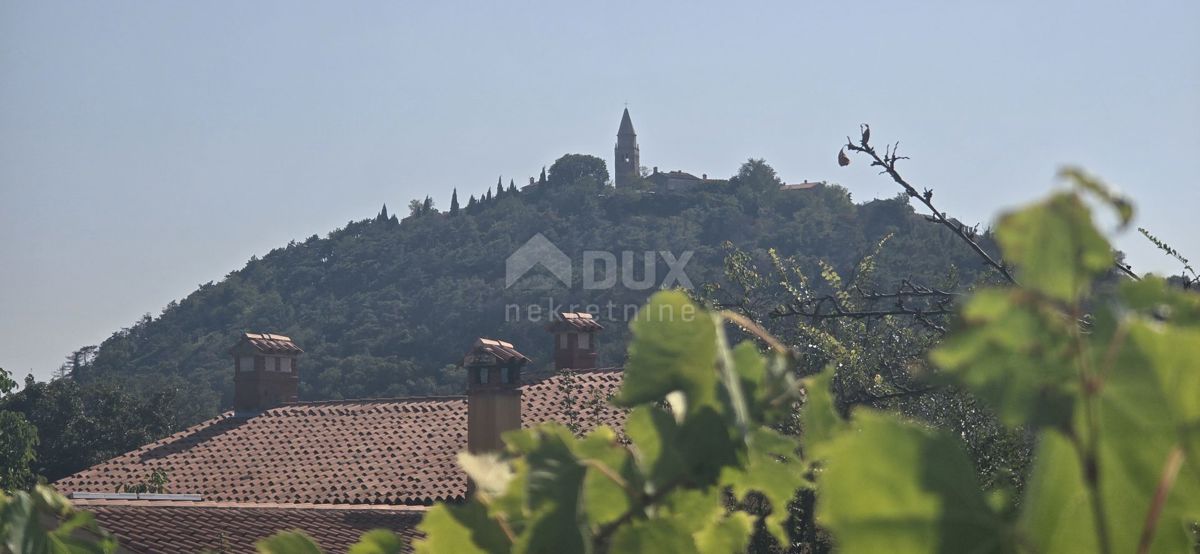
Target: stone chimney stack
{"type": "Point", "coordinates": [574, 340]}
{"type": "Point", "coordinates": [265, 372]}
{"type": "Point", "coordinates": [493, 393]}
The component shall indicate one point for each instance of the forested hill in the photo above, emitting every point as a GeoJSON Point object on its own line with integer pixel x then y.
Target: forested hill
{"type": "Point", "coordinates": [387, 308]}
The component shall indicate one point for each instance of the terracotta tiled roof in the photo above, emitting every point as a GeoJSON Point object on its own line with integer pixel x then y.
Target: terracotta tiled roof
{"type": "Point", "coordinates": [268, 343]}
{"type": "Point", "coordinates": [361, 452]}
{"type": "Point", "coordinates": [154, 528]}
{"type": "Point", "coordinates": [577, 321]}
{"type": "Point", "coordinates": [585, 392]}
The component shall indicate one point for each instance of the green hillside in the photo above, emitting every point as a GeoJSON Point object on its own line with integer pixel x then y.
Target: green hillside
{"type": "Point", "coordinates": [386, 307]}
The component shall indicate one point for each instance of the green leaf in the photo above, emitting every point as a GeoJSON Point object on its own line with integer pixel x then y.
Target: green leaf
{"type": "Point", "coordinates": [378, 541]}
{"type": "Point", "coordinates": [895, 487]}
{"type": "Point", "coordinates": [751, 371]}
{"type": "Point", "coordinates": [1149, 412]}
{"type": "Point", "coordinates": [702, 513]}
{"type": "Point", "coordinates": [1055, 246]}
{"type": "Point", "coordinates": [708, 445]}
{"type": "Point", "coordinates": [1082, 180]}
{"type": "Point", "coordinates": [992, 355]}
{"type": "Point", "coordinates": [24, 520]}
{"type": "Point", "coordinates": [464, 529]}
{"type": "Point", "coordinates": [287, 542]}
{"type": "Point", "coordinates": [1056, 513]}
{"type": "Point", "coordinates": [1154, 297]}
{"type": "Point", "coordinates": [655, 438]}
{"type": "Point", "coordinates": [654, 535]}
{"type": "Point", "coordinates": [773, 469]}
{"type": "Point", "coordinates": [605, 498]}
{"type": "Point", "coordinates": [693, 509]}
{"type": "Point", "coordinates": [730, 534]}
{"type": "Point", "coordinates": [674, 348]}
{"type": "Point", "coordinates": [819, 417]}
{"type": "Point", "coordinates": [553, 486]}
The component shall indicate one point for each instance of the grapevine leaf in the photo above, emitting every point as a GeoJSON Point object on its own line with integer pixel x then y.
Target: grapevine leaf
{"type": "Point", "coordinates": [1153, 297]}
{"type": "Point", "coordinates": [1082, 180]}
{"type": "Point", "coordinates": [990, 355]}
{"type": "Point", "coordinates": [674, 348]}
{"type": "Point", "coordinates": [895, 487]}
{"type": "Point", "coordinates": [652, 535]}
{"type": "Point", "coordinates": [464, 529]}
{"type": "Point", "coordinates": [1150, 416]}
{"type": "Point", "coordinates": [379, 541]}
{"type": "Point", "coordinates": [604, 498]}
{"type": "Point", "coordinates": [655, 437]}
{"type": "Point", "coordinates": [819, 418]}
{"type": "Point", "coordinates": [752, 371]}
{"type": "Point", "coordinates": [773, 469]}
{"type": "Point", "coordinates": [1056, 513]}
{"type": "Point", "coordinates": [730, 534]}
{"type": "Point", "coordinates": [1055, 246]}
{"type": "Point", "coordinates": [287, 542]}
{"type": "Point", "coordinates": [553, 485]}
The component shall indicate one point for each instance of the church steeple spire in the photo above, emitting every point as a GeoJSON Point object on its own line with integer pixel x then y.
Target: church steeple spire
{"type": "Point", "coordinates": [626, 125]}
{"type": "Point", "coordinates": [627, 165]}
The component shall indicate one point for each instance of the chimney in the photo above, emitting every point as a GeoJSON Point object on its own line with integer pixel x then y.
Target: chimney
{"type": "Point", "coordinates": [265, 372]}
{"type": "Point", "coordinates": [574, 340]}
{"type": "Point", "coordinates": [493, 393]}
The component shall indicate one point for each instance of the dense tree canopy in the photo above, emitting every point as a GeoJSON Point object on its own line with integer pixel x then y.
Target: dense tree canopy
{"type": "Point", "coordinates": [574, 168]}
{"type": "Point", "coordinates": [79, 424]}
{"type": "Point", "coordinates": [18, 439]}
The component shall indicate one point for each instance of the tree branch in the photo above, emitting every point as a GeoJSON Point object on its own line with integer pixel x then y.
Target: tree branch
{"type": "Point", "coordinates": [888, 162]}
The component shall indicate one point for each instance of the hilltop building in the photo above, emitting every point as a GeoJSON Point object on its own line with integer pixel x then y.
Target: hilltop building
{"type": "Point", "coordinates": [335, 469]}
{"type": "Point", "coordinates": [628, 162]}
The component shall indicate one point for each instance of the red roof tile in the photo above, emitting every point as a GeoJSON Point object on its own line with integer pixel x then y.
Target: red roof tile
{"type": "Point", "coordinates": [362, 452]}
{"type": "Point", "coordinates": [146, 527]}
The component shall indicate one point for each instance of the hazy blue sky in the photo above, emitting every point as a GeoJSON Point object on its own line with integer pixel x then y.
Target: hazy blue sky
{"type": "Point", "coordinates": [149, 147]}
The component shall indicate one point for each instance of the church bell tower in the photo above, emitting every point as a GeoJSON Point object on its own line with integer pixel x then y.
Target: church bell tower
{"type": "Point", "coordinates": [627, 165]}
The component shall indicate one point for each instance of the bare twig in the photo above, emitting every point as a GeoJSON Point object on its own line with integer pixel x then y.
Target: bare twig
{"type": "Point", "coordinates": [888, 164]}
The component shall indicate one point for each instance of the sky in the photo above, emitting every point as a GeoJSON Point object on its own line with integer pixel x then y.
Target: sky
{"type": "Point", "coordinates": [149, 147]}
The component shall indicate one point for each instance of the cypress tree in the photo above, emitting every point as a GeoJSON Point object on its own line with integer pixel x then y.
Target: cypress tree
{"type": "Point", "coordinates": [489, 195]}
{"type": "Point", "coordinates": [471, 202]}
{"type": "Point", "coordinates": [428, 206]}
{"type": "Point", "coordinates": [542, 179]}
{"type": "Point", "coordinates": [383, 215]}
{"type": "Point", "coordinates": [499, 187]}
{"type": "Point", "coordinates": [512, 186]}
{"type": "Point", "coordinates": [454, 202]}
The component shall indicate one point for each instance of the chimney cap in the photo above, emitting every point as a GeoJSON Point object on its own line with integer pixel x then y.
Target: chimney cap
{"type": "Point", "coordinates": [269, 343]}
{"type": "Point", "coordinates": [574, 321]}
{"type": "Point", "coordinates": [487, 351]}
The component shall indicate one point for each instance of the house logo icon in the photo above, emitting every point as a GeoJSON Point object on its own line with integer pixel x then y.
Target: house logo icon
{"type": "Point", "coordinates": [538, 250]}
